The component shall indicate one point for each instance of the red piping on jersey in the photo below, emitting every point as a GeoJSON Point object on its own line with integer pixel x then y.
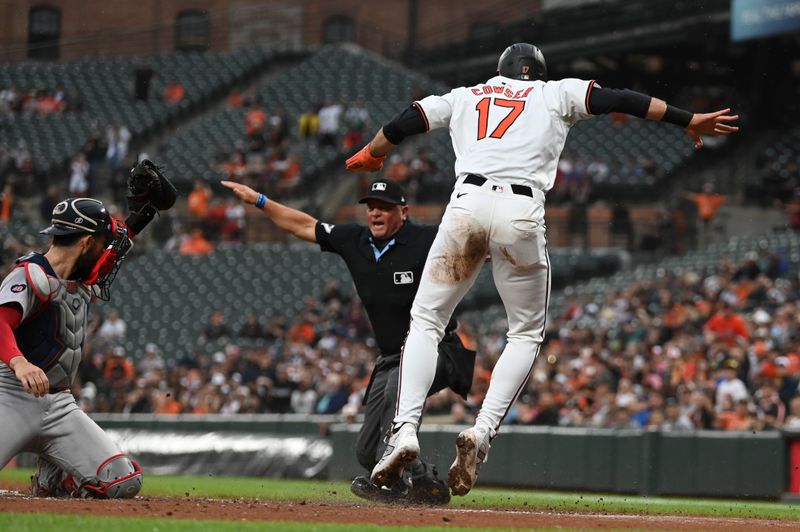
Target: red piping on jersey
{"type": "Point", "coordinates": [588, 92]}
{"type": "Point", "coordinates": [10, 318]}
{"type": "Point", "coordinates": [425, 118]}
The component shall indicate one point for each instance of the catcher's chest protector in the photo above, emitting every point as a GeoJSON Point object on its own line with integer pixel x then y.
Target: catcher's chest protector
{"type": "Point", "coordinates": [52, 337]}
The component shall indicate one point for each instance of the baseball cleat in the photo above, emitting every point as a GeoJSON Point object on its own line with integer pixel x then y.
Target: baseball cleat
{"type": "Point", "coordinates": [472, 449]}
{"type": "Point", "coordinates": [402, 448]}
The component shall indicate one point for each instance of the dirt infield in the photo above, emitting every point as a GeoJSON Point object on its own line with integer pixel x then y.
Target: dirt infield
{"type": "Point", "coordinates": [13, 498]}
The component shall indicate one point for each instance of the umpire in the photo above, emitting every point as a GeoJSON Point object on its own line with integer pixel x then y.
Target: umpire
{"type": "Point", "coordinates": [385, 259]}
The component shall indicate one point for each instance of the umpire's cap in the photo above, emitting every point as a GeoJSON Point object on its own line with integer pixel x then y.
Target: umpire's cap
{"type": "Point", "coordinates": [522, 61]}
{"type": "Point", "coordinates": [78, 215]}
{"type": "Point", "coordinates": [385, 190]}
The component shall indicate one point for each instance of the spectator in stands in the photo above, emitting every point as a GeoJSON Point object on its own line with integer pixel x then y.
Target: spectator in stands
{"type": "Point", "coordinates": [95, 151]}
{"type": "Point", "coordinates": [793, 419]}
{"type": "Point", "coordinates": [736, 417]}
{"type": "Point", "coordinates": [275, 328]}
{"type": "Point", "coordinates": [164, 402]}
{"type": "Point", "coordinates": [118, 373]}
{"type": "Point", "coordinates": [304, 396]}
{"type": "Point", "coordinates": [48, 201]}
{"type": "Point", "coordinates": [142, 78]}
{"type": "Point", "coordinates": [727, 326]}
{"type": "Point", "coordinates": [254, 122]}
{"type": "Point", "coordinates": [151, 364]}
{"type": "Point", "coordinates": [707, 203]}
{"type": "Point", "coordinates": [9, 100]}
{"type": "Point", "coordinates": [333, 394]}
{"type": "Point", "coordinates": [329, 123]}
{"type": "Point", "coordinates": [233, 226]}
{"type": "Point", "coordinates": [198, 200]}
{"type": "Point", "coordinates": [278, 127]}
{"type": "Point", "coordinates": [113, 328]}
{"type": "Point", "coordinates": [288, 170]}
{"type": "Point", "coordinates": [217, 328]}
{"type": "Point", "coordinates": [235, 167]}
{"type": "Point", "coordinates": [47, 104]}
{"type": "Point", "coordinates": [308, 123]}
{"type": "Point", "coordinates": [730, 389]}
{"type": "Point", "coordinates": [79, 176]}
{"type": "Point", "coordinates": [118, 137]}
{"type": "Point", "coordinates": [279, 394]}
{"type": "Point", "coordinates": [174, 92]}
{"type": "Point", "coordinates": [251, 328]}
{"type": "Point", "coordinates": [196, 244]}
{"type": "Point", "coordinates": [302, 331]}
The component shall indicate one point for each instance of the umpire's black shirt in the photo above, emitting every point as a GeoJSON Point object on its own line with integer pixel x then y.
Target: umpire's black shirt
{"type": "Point", "coordinates": [386, 274]}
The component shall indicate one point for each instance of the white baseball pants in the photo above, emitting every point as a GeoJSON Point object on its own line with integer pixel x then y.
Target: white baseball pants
{"type": "Point", "coordinates": [481, 220]}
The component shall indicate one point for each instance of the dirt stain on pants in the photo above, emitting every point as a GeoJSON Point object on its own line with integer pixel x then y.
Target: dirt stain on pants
{"type": "Point", "coordinates": [465, 250]}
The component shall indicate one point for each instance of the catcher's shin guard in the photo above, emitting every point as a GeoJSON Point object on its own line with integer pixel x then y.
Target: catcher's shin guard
{"type": "Point", "coordinates": [119, 477]}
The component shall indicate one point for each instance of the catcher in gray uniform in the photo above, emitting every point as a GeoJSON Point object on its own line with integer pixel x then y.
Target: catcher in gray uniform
{"type": "Point", "coordinates": [43, 314]}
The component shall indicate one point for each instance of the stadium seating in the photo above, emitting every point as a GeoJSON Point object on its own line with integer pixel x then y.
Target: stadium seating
{"type": "Point", "coordinates": [105, 90]}
{"type": "Point", "coordinates": [785, 151]}
{"type": "Point", "coordinates": [335, 73]}
{"type": "Point", "coordinates": [604, 140]}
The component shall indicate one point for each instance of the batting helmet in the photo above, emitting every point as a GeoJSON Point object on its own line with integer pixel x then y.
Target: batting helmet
{"type": "Point", "coordinates": [78, 215]}
{"type": "Point", "coordinates": [522, 61]}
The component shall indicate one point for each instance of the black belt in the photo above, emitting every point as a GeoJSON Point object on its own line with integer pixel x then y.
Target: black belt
{"type": "Point", "coordinates": [478, 180]}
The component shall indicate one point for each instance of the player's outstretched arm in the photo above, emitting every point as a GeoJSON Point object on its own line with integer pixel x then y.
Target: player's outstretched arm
{"type": "Point", "coordinates": [602, 100]}
{"type": "Point", "coordinates": [714, 124]}
{"type": "Point", "coordinates": [370, 159]}
{"type": "Point", "coordinates": [294, 222]}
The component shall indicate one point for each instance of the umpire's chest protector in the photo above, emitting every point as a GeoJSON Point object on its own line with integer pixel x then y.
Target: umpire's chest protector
{"type": "Point", "coordinates": [51, 337]}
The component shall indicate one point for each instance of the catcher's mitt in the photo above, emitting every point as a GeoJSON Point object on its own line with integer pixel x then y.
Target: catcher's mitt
{"type": "Point", "coordinates": [148, 186]}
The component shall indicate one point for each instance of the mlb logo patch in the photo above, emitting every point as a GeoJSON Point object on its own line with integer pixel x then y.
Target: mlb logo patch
{"type": "Point", "coordinates": [378, 186]}
{"type": "Point", "coordinates": [403, 277]}
{"type": "Point", "coordinates": [17, 288]}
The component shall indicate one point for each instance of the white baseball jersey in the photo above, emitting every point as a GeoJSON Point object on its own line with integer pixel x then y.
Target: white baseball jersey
{"type": "Point", "coordinates": [509, 130]}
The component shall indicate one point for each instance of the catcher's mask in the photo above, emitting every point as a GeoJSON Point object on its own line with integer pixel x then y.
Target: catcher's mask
{"type": "Point", "coordinates": [87, 215]}
{"type": "Point", "coordinates": [522, 61]}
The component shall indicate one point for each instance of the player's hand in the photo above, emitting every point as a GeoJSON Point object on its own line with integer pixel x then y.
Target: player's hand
{"type": "Point", "coordinates": [243, 192]}
{"type": "Point", "coordinates": [32, 377]}
{"type": "Point", "coordinates": [714, 124]}
{"type": "Point", "coordinates": [364, 161]}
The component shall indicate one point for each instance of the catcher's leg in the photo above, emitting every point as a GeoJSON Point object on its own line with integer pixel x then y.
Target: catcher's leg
{"type": "Point", "coordinates": [21, 415]}
{"type": "Point", "coordinates": [94, 465]}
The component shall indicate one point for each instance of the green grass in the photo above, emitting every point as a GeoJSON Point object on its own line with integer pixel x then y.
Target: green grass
{"type": "Point", "coordinates": [339, 492]}
{"type": "Point", "coordinates": [20, 522]}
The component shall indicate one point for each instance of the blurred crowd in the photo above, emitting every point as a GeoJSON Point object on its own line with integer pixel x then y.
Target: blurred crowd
{"type": "Point", "coordinates": [267, 157]}
{"type": "Point", "coordinates": [718, 350]}
{"type": "Point", "coordinates": [43, 102]}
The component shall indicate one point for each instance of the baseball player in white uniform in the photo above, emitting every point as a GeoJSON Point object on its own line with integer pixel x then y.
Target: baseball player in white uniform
{"type": "Point", "coordinates": [507, 134]}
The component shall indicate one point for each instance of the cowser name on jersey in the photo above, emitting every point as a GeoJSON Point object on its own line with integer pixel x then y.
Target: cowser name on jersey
{"type": "Point", "coordinates": [499, 89]}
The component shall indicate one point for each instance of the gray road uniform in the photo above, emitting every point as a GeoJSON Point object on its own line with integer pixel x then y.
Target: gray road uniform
{"type": "Point", "coordinates": [75, 456]}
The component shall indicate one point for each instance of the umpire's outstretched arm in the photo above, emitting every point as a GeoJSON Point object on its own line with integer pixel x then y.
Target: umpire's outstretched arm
{"type": "Point", "coordinates": [295, 222]}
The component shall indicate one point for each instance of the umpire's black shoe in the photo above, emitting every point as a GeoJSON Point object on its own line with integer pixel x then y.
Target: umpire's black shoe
{"type": "Point", "coordinates": [363, 487]}
{"type": "Point", "coordinates": [428, 489]}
